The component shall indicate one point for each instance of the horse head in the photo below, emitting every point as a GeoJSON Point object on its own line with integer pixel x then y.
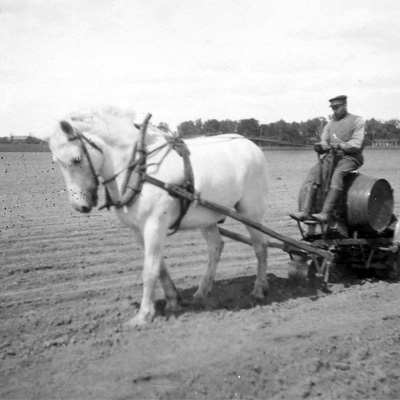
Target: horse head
{"type": "Point", "coordinates": [78, 158]}
{"type": "Point", "coordinates": [103, 142]}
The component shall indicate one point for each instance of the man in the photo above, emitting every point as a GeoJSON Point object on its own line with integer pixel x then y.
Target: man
{"type": "Point", "coordinates": [343, 141]}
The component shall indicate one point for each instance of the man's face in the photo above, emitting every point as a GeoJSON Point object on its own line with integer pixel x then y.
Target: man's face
{"type": "Point", "coordinates": [339, 110]}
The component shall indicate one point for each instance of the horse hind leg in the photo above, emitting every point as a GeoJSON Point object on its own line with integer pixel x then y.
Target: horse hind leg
{"type": "Point", "coordinates": [215, 246]}
{"type": "Point", "coordinates": [260, 246]}
{"type": "Point", "coordinates": [172, 295]}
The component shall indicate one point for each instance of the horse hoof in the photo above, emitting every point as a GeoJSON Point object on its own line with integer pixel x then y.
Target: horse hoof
{"type": "Point", "coordinates": [137, 323]}
{"type": "Point", "coordinates": [199, 298]}
{"type": "Point", "coordinates": [171, 309]}
{"type": "Point", "coordinates": [258, 294]}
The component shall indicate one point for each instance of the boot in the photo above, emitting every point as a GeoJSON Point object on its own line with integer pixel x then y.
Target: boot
{"type": "Point", "coordinates": [329, 205]}
{"type": "Point", "coordinates": [305, 212]}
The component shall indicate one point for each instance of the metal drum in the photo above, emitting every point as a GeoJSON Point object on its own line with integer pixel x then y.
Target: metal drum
{"type": "Point", "coordinates": [369, 203]}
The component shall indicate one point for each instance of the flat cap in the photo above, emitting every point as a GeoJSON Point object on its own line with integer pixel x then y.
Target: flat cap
{"type": "Point", "coordinates": [338, 100]}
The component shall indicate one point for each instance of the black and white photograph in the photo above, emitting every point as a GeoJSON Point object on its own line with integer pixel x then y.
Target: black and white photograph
{"type": "Point", "coordinates": [199, 199]}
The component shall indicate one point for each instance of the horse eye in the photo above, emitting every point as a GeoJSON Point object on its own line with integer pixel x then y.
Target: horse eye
{"type": "Point", "coordinates": [76, 160]}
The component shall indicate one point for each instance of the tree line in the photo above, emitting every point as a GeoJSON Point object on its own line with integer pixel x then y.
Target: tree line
{"type": "Point", "coordinates": [282, 132]}
{"type": "Point", "coordinates": [27, 140]}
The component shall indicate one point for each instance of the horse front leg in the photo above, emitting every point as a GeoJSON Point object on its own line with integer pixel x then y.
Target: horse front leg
{"type": "Point", "coordinates": [215, 246]}
{"type": "Point", "coordinates": [154, 235]}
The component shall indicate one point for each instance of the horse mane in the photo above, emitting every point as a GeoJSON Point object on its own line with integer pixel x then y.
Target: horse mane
{"type": "Point", "coordinates": [96, 115]}
{"type": "Point", "coordinates": [112, 122]}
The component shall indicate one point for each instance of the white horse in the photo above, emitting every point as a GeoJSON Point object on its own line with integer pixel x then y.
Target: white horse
{"type": "Point", "coordinates": [228, 169]}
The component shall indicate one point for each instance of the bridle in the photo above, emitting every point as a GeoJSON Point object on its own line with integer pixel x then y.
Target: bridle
{"type": "Point", "coordinates": [137, 162]}
{"type": "Point", "coordinates": [78, 135]}
{"type": "Point", "coordinates": [138, 165]}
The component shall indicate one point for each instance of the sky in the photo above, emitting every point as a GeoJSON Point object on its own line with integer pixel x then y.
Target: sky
{"type": "Point", "coordinates": [183, 60]}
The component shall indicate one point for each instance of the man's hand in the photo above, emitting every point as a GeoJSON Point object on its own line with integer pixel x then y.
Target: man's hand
{"type": "Point", "coordinates": [335, 146]}
{"type": "Point", "coordinates": [337, 149]}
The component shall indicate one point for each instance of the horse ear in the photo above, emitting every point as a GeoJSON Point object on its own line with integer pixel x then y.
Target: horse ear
{"type": "Point", "coordinates": [68, 129]}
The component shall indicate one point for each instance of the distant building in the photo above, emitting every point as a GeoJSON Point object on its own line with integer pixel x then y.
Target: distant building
{"type": "Point", "coordinates": [385, 142]}
{"type": "Point", "coordinates": [19, 138]}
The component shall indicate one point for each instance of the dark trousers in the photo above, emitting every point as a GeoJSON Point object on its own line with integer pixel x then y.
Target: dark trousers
{"type": "Point", "coordinates": [344, 165]}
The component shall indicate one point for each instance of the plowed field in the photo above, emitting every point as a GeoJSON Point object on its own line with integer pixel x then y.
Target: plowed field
{"type": "Point", "coordinates": [69, 282]}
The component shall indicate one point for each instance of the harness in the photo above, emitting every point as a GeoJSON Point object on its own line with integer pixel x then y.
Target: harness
{"type": "Point", "coordinates": [136, 172]}
{"type": "Point", "coordinates": [78, 135]}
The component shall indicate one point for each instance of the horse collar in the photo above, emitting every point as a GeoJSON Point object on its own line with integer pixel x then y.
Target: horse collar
{"type": "Point", "coordinates": [136, 174]}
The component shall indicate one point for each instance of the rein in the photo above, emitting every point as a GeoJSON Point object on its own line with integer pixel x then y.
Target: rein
{"type": "Point", "coordinates": [280, 142]}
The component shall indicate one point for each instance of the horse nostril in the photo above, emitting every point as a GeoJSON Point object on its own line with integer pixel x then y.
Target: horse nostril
{"type": "Point", "coordinates": [85, 209]}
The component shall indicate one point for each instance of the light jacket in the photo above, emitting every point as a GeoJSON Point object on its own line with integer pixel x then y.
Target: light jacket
{"type": "Point", "coordinates": [348, 133]}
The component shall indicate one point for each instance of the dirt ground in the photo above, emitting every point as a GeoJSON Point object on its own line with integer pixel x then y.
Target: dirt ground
{"type": "Point", "coordinates": [69, 282]}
